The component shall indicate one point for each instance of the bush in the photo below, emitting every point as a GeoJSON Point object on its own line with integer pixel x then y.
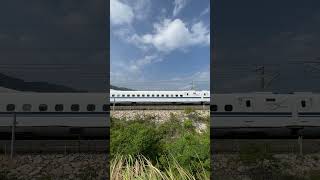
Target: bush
{"type": "Point", "coordinates": [191, 150]}
{"type": "Point", "coordinates": [188, 124]}
{"type": "Point", "coordinates": [135, 138]}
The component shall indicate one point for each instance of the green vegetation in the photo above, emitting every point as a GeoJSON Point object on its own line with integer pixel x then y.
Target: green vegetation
{"type": "Point", "coordinates": [169, 150]}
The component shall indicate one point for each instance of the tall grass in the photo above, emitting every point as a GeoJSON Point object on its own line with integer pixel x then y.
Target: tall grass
{"type": "Point", "coordinates": [139, 167]}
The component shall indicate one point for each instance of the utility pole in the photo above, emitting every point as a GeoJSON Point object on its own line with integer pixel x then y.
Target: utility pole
{"type": "Point", "coordinates": [262, 77]}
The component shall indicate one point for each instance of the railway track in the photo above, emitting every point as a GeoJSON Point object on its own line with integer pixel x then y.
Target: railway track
{"type": "Point", "coordinates": [305, 146]}
{"type": "Point", "coordinates": [55, 146]}
{"type": "Point", "coordinates": [158, 107]}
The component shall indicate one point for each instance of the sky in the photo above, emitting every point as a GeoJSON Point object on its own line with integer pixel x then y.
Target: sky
{"type": "Point", "coordinates": [283, 36]}
{"type": "Point", "coordinates": [56, 41]}
{"type": "Point", "coordinates": [160, 45]}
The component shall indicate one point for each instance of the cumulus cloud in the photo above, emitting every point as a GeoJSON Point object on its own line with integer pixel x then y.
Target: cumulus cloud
{"type": "Point", "coordinates": [120, 13]}
{"type": "Point", "coordinates": [178, 6]}
{"type": "Point", "coordinates": [174, 34]}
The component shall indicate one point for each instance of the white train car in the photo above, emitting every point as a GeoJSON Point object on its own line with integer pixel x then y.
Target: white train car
{"type": "Point", "coordinates": [159, 97]}
{"type": "Point", "coordinates": [55, 114]}
{"type": "Point", "coordinates": [265, 113]}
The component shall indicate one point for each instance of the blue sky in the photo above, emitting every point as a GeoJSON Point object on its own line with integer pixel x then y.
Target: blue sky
{"type": "Point", "coordinates": [160, 44]}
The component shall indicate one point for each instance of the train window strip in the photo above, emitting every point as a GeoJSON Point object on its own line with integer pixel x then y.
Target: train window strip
{"type": "Point", "coordinates": [11, 107]}
{"type": "Point", "coordinates": [26, 107]}
{"type": "Point", "coordinates": [91, 107]}
{"type": "Point", "coordinates": [59, 107]}
{"type": "Point", "coordinates": [75, 107]}
{"type": "Point", "coordinates": [228, 107]}
{"type": "Point", "coordinates": [43, 107]}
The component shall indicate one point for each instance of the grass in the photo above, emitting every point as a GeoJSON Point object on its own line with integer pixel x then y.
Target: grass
{"type": "Point", "coordinates": [172, 150]}
{"type": "Point", "coordinates": [130, 168]}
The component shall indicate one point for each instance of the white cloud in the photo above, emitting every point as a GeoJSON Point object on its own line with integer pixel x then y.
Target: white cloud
{"type": "Point", "coordinates": [141, 8]}
{"type": "Point", "coordinates": [131, 71]}
{"type": "Point", "coordinates": [205, 11]}
{"type": "Point", "coordinates": [178, 6]}
{"type": "Point", "coordinates": [137, 65]}
{"type": "Point", "coordinates": [120, 13]}
{"type": "Point", "coordinates": [174, 34]}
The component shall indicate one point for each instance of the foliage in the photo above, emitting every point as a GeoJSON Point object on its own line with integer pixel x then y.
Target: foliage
{"type": "Point", "coordinates": [139, 167]}
{"type": "Point", "coordinates": [173, 148]}
{"type": "Point", "coordinates": [135, 138]}
{"type": "Point", "coordinates": [189, 110]}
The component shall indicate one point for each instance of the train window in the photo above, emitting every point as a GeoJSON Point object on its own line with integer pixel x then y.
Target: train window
{"type": "Point", "coordinates": [187, 94]}
{"type": "Point", "coordinates": [142, 95]}
{"type": "Point", "coordinates": [59, 107]}
{"type": "Point", "coordinates": [228, 107]}
{"type": "Point", "coordinates": [148, 95]}
{"type": "Point", "coordinates": [11, 107]}
{"type": "Point", "coordinates": [204, 94]}
{"type": "Point", "coordinates": [303, 103]}
{"type": "Point", "coordinates": [181, 95]}
{"type": "Point", "coordinates": [152, 95]}
{"type": "Point", "coordinates": [157, 95]}
{"type": "Point", "coordinates": [123, 95]}
{"type": "Point", "coordinates": [91, 107]}
{"type": "Point", "coordinates": [128, 95]}
{"type": "Point", "coordinates": [176, 95]}
{"type": "Point", "coordinates": [133, 95]}
{"type": "Point", "coordinates": [248, 103]}
{"type": "Point", "coordinates": [105, 107]}
{"type": "Point", "coordinates": [43, 107]}
{"type": "Point", "coordinates": [270, 99]}
{"type": "Point", "coordinates": [167, 95]}
{"type": "Point", "coordinates": [138, 95]}
{"type": "Point", "coordinates": [75, 107]}
{"type": "Point", "coordinates": [112, 95]}
{"type": "Point", "coordinates": [162, 95]}
{"type": "Point", "coordinates": [26, 107]}
{"type": "Point", "coordinates": [214, 107]}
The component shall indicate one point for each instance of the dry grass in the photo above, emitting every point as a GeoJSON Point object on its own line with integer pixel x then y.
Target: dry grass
{"type": "Point", "coordinates": [140, 168]}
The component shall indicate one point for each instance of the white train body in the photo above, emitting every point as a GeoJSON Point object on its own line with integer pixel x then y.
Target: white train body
{"type": "Point", "coordinates": [55, 113]}
{"type": "Point", "coordinates": [271, 112]}
{"type": "Point", "coordinates": [187, 97]}
{"type": "Point", "coordinates": [88, 113]}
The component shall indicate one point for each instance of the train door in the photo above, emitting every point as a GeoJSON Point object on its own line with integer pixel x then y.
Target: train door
{"type": "Point", "coordinates": [247, 104]}
{"type": "Point", "coordinates": [303, 114]}
{"type": "Point", "coordinates": [304, 104]}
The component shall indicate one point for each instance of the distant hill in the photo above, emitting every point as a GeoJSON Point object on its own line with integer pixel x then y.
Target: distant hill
{"type": "Point", "coordinates": [120, 88]}
{"type": "Point", "coordinates": [21, 85]}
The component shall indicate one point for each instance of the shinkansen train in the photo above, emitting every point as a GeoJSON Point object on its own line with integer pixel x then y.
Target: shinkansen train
{"type": "Point", "coordinates": [54, 114]}
{"type": "Point", "coordinates": [159, 97]}
{"type": "Point", "coordinates": [267, 114]}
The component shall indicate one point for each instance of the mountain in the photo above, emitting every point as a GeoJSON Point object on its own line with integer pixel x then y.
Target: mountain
{"type": "Point", "coordinates": [120, 88]}
{"type": "Point", "coordinates": [21, 85]}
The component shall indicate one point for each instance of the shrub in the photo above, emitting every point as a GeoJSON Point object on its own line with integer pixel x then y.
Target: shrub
{"type": "Point", "coordinates": [188, 124]}
{"type": "Point", "coordinates": [135, 138]}
{"type": "Point", "coordinates": [191, 150]}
